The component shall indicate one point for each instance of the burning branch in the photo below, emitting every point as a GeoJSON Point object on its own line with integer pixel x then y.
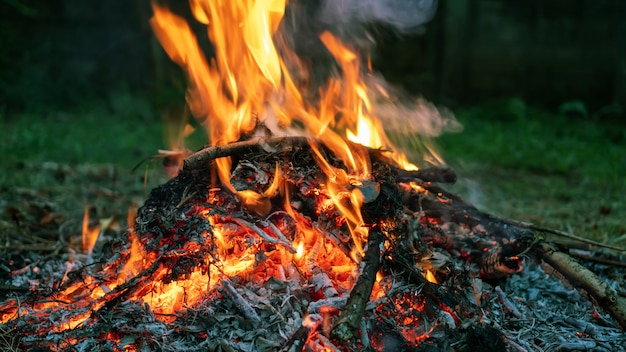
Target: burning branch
{"type": "Point", "coordinates": [290, 143]}
{"type": "Point", "coordinates": [350, 319]}
{"type": "Point", "coordinates": [267, 144]}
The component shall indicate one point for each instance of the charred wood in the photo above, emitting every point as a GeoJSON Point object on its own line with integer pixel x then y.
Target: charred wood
{"type": "Point", "coordinates": [498, 252]}
{"type": "Point", "coordinates": [433, 174]}
{"type": "Point", "coordinates": [297, 340]}
{"type": "Point", "coordinates": [350, 319]}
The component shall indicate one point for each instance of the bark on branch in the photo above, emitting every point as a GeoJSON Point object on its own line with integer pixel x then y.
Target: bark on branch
{"type": "Point", "coordinates": [581, 277]}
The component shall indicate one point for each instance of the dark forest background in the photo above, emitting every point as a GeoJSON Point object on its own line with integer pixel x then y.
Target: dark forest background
{"type": "Point", "coordinates": [544, 52]}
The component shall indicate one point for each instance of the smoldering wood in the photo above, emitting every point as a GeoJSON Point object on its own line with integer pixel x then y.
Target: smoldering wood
{"type": "Point", "coordinates": [459, 211]}
{"type": "Point", "coordinates": [350, 319]}
{"type": "Point", "coordinates": [512, 236]}
{"type": "Point", "coordinates": [498, 257]}
{"type": "Point", "coordinates": [431, 174]}
{"type": "Point", "coordinates": [297, 341]}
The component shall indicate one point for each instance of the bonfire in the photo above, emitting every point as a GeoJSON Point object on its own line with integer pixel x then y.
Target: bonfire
{"type": "Point", "coordinates": [301, 227]}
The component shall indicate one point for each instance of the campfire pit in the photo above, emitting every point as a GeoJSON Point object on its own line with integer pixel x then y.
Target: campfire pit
{"type": "Point", "coordinates": [283, 234]}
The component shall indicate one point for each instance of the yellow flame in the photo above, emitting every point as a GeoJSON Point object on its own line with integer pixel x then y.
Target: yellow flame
{"type": "Point", "coordinates": [248, 82]}
{"type": "Point", "coordinates": [430, 276]}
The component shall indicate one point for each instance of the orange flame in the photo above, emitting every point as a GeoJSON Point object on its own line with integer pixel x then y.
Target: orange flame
{"type": "Point", "coordinates": [430, 276]}
{"type": "Point", "coordinates": [248, 82]}
{"type": "Point", "coordinates": [90, 236]}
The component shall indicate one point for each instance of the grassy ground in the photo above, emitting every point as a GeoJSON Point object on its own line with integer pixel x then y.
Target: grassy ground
{"type": "Point", "coordinates": [514, 161]}
{"type": "Point", "coordinates": [566, 173]}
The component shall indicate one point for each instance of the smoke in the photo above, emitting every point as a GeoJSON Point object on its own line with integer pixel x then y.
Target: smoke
{"type": "Point", "coordinates": [411, 123]}
{"type": "Point", "coordinates": [404, 15]}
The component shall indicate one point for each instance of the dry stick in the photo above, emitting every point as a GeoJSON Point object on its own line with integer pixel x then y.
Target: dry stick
{"type": "Point", "coordinates": [350, 319]}
{"type": "Point", "coordinates": [579, 276]}
{"type": "Point", "coordinates": [249, 146]}
{"type": "Point", "coordinates": [570, 236]}
{"type": "Point", "coordinates": [589, 256]}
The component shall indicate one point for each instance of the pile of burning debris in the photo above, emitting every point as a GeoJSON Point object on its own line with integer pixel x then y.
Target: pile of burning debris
{"type": "Point", "coordinates": [301, 228]}
{"type": "Point", "coordinates": [203, 269]}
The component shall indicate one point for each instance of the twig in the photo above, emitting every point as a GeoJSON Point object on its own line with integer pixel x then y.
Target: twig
{"type": "Point", "coordinates": [350, 319]}
{"type": "Point", "coordinates": [584, 327]}
{"type": "Point", "coordinates": [508, 304]}
{"type": "Point", "coordinates": [512, 343]}
{"type": "Point", "coordinates": [297, 340]}
{"type": "Point", "coordinates": [131, 285]}
{"type": "Point", "coordinates": [276, 231]}
{"type": "Point", "coordinates": [264, 235]}
{"type": "Point", "coordinates": [334, 302]}
{"type": "Point", "coordinates": [579, 276]}
{"type": "Point", "coordinates": [589, 256]}
{"type": "Point", "coordinates": [570, 236]}
{"type": "Point", "coordinates": [585, 345]}
{"type": "Point", "coordinates": [249, 146]}
{"type": "Point", "coordinates": [240, 302]}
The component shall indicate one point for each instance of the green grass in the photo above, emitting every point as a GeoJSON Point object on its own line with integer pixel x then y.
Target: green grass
{"type": "Point", "coordinates": [118, 132]}
{"type": "Point", "coordinates": [562, 172]}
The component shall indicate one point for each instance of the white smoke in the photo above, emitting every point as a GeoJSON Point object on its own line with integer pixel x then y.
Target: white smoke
{"type": "Point", "coordinates": [404, 15]}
